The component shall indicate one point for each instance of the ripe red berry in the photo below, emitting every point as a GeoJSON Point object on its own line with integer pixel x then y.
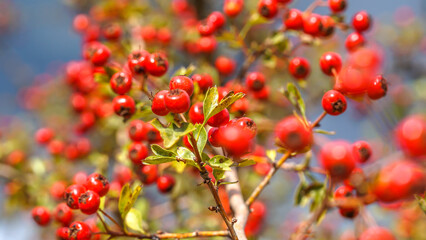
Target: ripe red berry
{"type": "Point", "coordinates": [362, 151]}
{"type": "Point", "coordinates": [213, 137]}
{"type": "Point", "coordinates": [225, 65]}
{"type": "Point", "coordinates": [121, 83]}
{"type": "Point", "coordinates": [255, 81]}
{"type": "Point", "coordinates": [410, 135]}
{"type": "Point", "coordinates": [158, 106]}
{"type": "Point", "coordinates": [268, 8]}
{"type": "Point", "coordinates": [377, 88]}
{"type": "Point", "coordinates": [258, 211]}
{"type": "Point", "coordinates": [196, 114]}
{"type": "Point", "coordinates": [164, 35]}
{"type": "Point", "coordinates": [55, 147]}
{"type": "Point", "coordinates": [157, 64]}
{"type": "Point", "coordinates": [217, 19]}
{"type": "Point", "coordinates": [63, 214]}
{"type": "Point", "coordinates": [262, 169]}
{"type": "Point", "coordinates": [165, 183]}
{"type": "Point", "coordinates": [81, 23]}
{"type": "Point", "coordinates": [149, 174]}
{"type": "Point", "coordinates": [312, 24]}
{"type": "Point", "coordinates": [345, 192]}
{"type": "Point", "coordinates": [124, 106]}
{"type": "Point", "coordinates": [137, 60]}
{"type": "Point", "coordinates": [299, 67]}
{"type": "Point", "coordinates": [79, 231]}
{"type": "Point", "coordinates": [148, 33]}
{"type": "Point", "coordinates": [153, 135]}
{"type": "Point", "coordinates": [207, 44]}
{"type": "Point", "coordinates": [334, 103]}
{"type": "Point", "coordinates": [182, 82]}
{"type": "Point", "coordinates": [138, 152]}
{"type": "Point", "coordinates": [262, 94]}
{"type": "Point", "coordinates": [80, 178]}
{"type": "Point", "coordinates": [219, 119]}
{"type": "Point", "coordinates": [374, 233]}
{"type": "Point", "coordinates": [293, 19]}
{"type": "Point", "coordinates": [41, 215]}
{"type": "Point", "coordinates": [330, 61]}
{"type": "Point", "coordinates": [338, 159]}
{"type": "Point", "coordinates": [240, 107]}
{"type": "Point", "coordinates": [112, 31]}
{"type": "Point", "coordinates": [204, 81]}
{"type": "Point", "coordinates": [337, 6]}
{"type": "Point", "coordinates": [354, 41]}
{"type": "Point", "coordinates": [97, 183]}
{"type": "Point", "coordinates": [88, 202]}
{"type": "Point", "coordinates": [235, 140]}
{"type": "Point", "coordinates": [206, 28]}
{"type": "Point", "coordinates": [294, 135]}
{"type": "Point", "coordinates": [137, 130]}
{"type": "Point", "coordinates": [97, 53]}
{"type": "Point", "coordinates": [245, 123]}
{"type": "Point", "coordinates": [327, 28]}
{"type": "Point", "coordinates": [122, 174]}
{"type": "Point", "coordinates": [62, 233]}
{"type": "Point", "coordinates": [72, 193]}
{"type": "Point", "coordinates": [361, 21]}
{"type": "Point", "coordinates": [233, 7]}
{"type": "Point", "coordinates": [44, 135]}
{"type": "Point", "coordinates": [57, 190]}
{"type": "Point", "coordinates": [177, 101]}
{"type": "Point", "coordinates": [78, 102]}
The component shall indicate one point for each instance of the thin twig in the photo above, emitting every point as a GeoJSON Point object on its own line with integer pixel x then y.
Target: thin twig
{"type": "Point", "coordinates": [195, 234]}
{"type": "Point", "coordinates": [236, 202]}
{"type": "Point", "coordinates": [318, 120]}
{"type": "Point", "coordinates": [110, 218]}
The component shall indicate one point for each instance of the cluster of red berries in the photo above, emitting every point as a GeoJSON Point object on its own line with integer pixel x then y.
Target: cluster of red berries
{"type": "Point", "coordinates": [71, 150]}
{"type": "Point", "coordinates": [152, 35]}
{"type": "Point", "coordinates": [91, 31]}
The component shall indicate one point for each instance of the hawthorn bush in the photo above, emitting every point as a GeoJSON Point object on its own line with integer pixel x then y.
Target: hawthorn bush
{"type": "Point", "coordinates": [179, 114]}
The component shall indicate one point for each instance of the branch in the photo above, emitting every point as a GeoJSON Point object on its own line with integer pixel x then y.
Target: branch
{"type": "Point", "coordinates": [266, 180]}
{"type": "Point", "coordinates": [195, 234]}
{"type": "Point", "coordinates": [237, 203]}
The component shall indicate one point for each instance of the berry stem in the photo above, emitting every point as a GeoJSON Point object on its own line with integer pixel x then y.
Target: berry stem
{"type": "Point", "coordinates": [315, 4]}
{"type": "Point", "coordinates": [318, 120]}
{"type": "Point", "coordinates": [267, 179]}
{"type": "Point", "coordinates": [196, 234]}
{"type": "Point", "coordinates": [111, 218]}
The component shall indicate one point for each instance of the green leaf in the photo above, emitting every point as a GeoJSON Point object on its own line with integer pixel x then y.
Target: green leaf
{"type": "Point", "coordinates": [220, 162]}
{"type": "Point", "coordinates": [134, 220]}
{"type": "Point", "coordinates": [280, 41]}
{"type": "Point", "coordinates": [271, 154]}
{"type": "Point", "coordinates": [226, 183]}
{"type": "Point", "coordinates": [185, 71]}
{"type": "Point", "coordinates": [179, 166]}
{"type": "Point", "coordinates": [218, 174]}
{"type": "Point", "coordinates": [110, 71]}
{"type": "Point", "coordinates": [100, 78]}
{"type": "Point", "coordinates": [159, 151]}
{"type": "Point", "coordinates": [127, 198]}
{"type": "Point", "coordinates": [186, 155]}
{"type": "Point", "coordinates": [246, 162]}
{"type": "Point", "coordinates": [324, 132]}
{"type": "Point", "coordinates": [211, 106]}
{"type": "Point", "coordinates": [158, 159]}
{"type": "Point", "coordinates": [293, 95]}
{"type": "Point", "coordinates": [172, 133]}
{"type": "Point", "coordinates": [201, 137]}
{"type": "Point", "coordinates": [300, 198]}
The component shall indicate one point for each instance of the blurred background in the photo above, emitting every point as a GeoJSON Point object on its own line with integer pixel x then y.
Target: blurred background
{"type": "Point", "coordinates": [36, 39]}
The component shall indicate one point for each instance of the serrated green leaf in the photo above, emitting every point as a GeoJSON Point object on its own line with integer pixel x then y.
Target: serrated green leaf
{"type": "Point", "coordinates": [159, 151]}
{"type": "Point", "coordinates": [325, 132]}
{"type": "Point", "coordinates": [294, 96]}
{"type": "Point", "coordinates": [186, 155]}
{"type": "Point", "coordinates": [158, 160]}
{"type": "Point", "coordinates": [210, 101]}
{"type": "Point", "coordinates": [211, 106]}
{"type": "Point", "coordinates": [218, 174]}
{"type": "Point", "coordinates": [246, 162]}
{"type": "Point", "coordinates": [201, 137]}
{"type": "Point", "coordinates": [172, 133]}
{"type": "Point", "coordinates": [134, 221]}
{"type": "Point", "coordinates": [185, 71]}
{"type": "Point", "coordinates": [220, 162]}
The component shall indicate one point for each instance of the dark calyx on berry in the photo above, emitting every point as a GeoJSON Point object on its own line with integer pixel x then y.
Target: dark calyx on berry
{"type": "Point", "coordinates": [83, 198]}
{"type": "Point", "coordinates": [338, 106]}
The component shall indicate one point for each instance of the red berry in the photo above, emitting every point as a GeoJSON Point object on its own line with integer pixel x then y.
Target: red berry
{"type": "Point", "coordinates": [219, 119]}
{"type": "Point", "coordinates": [207, 44]}
{"type": "Point", "coordinates": [121, 82]}
{"type": "Point", "coordinates": [240, 107]}
{"type": "Point", "coordinates": [78, 102]}
{"type": "Point", "coordinates": [217, 19]}
{"type": "Point", "coordinates": [337, 5]}
{"type": "Point", "coordinates": [80, 178]}
{"type": "Point", "coordinates": [112, 31]}
{"type": "Point", "coordinates": [187, 143]}
{"type": "Point", "coordinates": [327, 28]}
{"type": "Point", "coordinates": [41, 215]}
{"type": "Point", "coordinates": [153, 135]}
{"type": "Point", "coordinates": [204, 81]}
{"type": "Point", "coordinates": [63, 214]}
{"type": "Point", "coordinates": [123, 174]}
{"type": "Point", "coordinates": [81, 23]}
{"type": "Point", "coordinates": [44, 135]}
{"type": "Point", "coordinates": [196, 114]}
{"type": "Point", "coordinates": [182, 82]}
{"type": "Point", "coordinates": [137, 130]}
{"type": "Point", "coordinates": [330, 61]}
{"type": "Point", "coordinates": [312, 24]}
{"type": "Point", "coordinates": [294, 135]}
{"type": "Point", "coordinates": [177, 101]}
{"type": "Point", "coordinates": [137, 60]}
{"type": "Point", "coordinates": [334, 103]}
{"type": "Point", "coordinates": [361, 21]}
{"type": "Point", "coordinates": [354, 41]}
{"type": "Point", "coordinates": [124, 106]}
{"type": "Point", "coordinates": [374, 233]}
{"type": "Point", "coordinates": [245, 123]}
{"type": "Point", "coordinates": [138, 152]}
{"type": "Point", "coordinates": [157, 64]}
{"type": "Point", "coordinates": [88, 202]}
{"type": "Point", "coordinates": [165, 183]}
{"type": "Point", "coordinates": [97, 183]}
{"type": "Point", "coordinates": [206, 28]}
{"type": "Point", "coordinates": [377, 88]}
{"type": "Point", "coordinates": [83, 146]}
{"type": "Point", "coordinates": [338, 159]}
{"type": "Point", "coordinates": [232, 7]}
{"type": "Point", "coordinates": [225, 65]}
{"type": "Point", "coordinates": [293, 19]}
{"type": "Point", "coordinates": [255, 81]}
{"type": "Point", "coordinates": [262, 94]}
{"type": "Point", "coordinates": [411, 135]}
{"type": "Point", "coordinates": [149, 174]}
{"type": "Point", "coordinates": [97, 53]}
{"type": "Point", "coordinates": [56, 147]}
{"type": "Point", "coordinates": [262, 169]}
{"type": "Point", "coordinates": [148, 33]}
{"type": "Point", "coordinates": [79, 231]}
{"type": "Point", "coordinates": [352, 81]}
{"type": "Point", "coordinates": [164, 35]}
{"type": "Point", "coordinates": [213, 137]}
{"type": "Point", "coordinates": [345, 192]}
{"type": "Point", "coordinates": [299, 67]}
{"type": "Point", "coordinates": [235, 140]}
{"type": "Point", "coordinates": [57, 190]}
{"type": "Point", "coordinates": [267, 8]}
{"type": "Point", "coordinates": [72, 193]}
{"type": "Point", "coordinates": [362, 151]}
{"type": "Point", "coordinates": [158, 106]}
{"type": "Point", "coordinates": [62, 233]}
